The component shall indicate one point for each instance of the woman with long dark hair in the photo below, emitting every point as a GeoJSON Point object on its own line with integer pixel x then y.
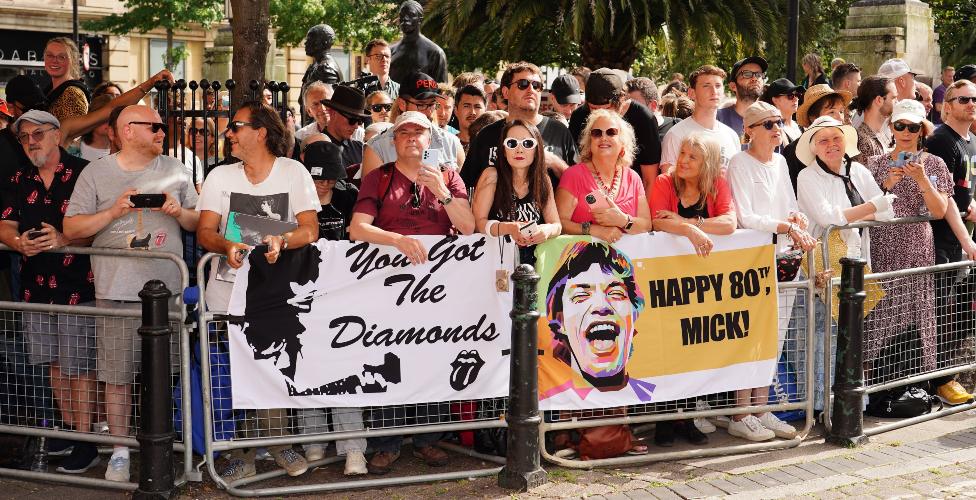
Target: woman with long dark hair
{"type": "Point", "coordinates": [516, 192]}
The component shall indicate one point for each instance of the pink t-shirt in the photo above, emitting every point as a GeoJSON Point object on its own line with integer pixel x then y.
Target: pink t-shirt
{"type": "Point", "coordinates": [580, 182]}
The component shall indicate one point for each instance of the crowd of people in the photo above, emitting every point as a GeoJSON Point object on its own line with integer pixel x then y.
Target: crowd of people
{"type": "Point", "coordinates": [606, 156]}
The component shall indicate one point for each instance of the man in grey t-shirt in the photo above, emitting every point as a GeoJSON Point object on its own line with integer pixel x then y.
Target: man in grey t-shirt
{"type": "Point", "coordinates": [101, 207]}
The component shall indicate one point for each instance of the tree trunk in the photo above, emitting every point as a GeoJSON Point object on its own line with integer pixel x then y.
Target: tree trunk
{"type": "Point", "coordinates": [250, 25]}
{"type": "Point", "coordinates": [168, 57]}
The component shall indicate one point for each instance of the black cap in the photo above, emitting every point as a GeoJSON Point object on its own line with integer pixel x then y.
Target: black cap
{"type": "Point", "coordinates": [323, 160]}
{"type": "Point", "coordinates": [25, 92]}
{"type": "Point", "coordinates": [603, 85]}
{"type": "Point", "coordinates": [419, 85]}
{"type": "Point", "coordinates": [742, 62]}
{"type": "Point", "coordinates": [967, 72]}
{"type": "Point", "coordinates": [779, 87]}
{"type": "Point", "coordinates": [565, 88]}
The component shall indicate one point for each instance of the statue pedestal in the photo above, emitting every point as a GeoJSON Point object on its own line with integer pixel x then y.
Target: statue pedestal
{"type": "Point", "coordinates": [878, 30]}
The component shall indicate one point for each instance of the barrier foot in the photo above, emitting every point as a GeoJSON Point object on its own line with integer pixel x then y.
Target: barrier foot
{"type": "Point", "coordinates": [521, 481]}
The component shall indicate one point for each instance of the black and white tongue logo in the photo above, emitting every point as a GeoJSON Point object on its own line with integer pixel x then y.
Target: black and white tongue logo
{"type": "Point", "coordinates": [465, 369]}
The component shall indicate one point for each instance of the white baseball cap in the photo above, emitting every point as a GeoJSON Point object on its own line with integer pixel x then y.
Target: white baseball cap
{"type": "Point", "coordinates": [414, 117]}
{"type": "Point", "coordinates": [894, 68]}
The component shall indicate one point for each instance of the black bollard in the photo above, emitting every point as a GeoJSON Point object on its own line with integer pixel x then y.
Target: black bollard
{"type": "Point", "coordinates": [522, 470]}
{"type": "Point", "coordinates": [156, 433]}
{"type": "Point", "coordinates": [847, 418]}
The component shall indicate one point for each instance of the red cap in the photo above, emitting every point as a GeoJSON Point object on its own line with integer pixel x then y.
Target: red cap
{"type": "Point", "coordinates": [4, 109]}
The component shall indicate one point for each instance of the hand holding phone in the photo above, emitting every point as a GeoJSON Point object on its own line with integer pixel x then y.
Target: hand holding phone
{"type": "Point", "coordinates": [529, 229]}
{"type": "Point", "coordinates": [34, 234]}
{"type": "Point", "coordinates": [147, 200]}
{"type": "Point", "coordinates": [596, 200]}
{"type": "Point", "coordinates": [432, 157]}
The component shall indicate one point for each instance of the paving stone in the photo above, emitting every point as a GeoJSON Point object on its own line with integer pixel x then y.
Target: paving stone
{"type": "Point", "coordinates": [728, 486]}
{"type": "Point", "coordinates": [744, 482]}
{"type": "Point", "coordinates": [686, 491]}
{"type": "Point", "coordinates": [926, 487]}
{"type": "Point", "coordinates": [872, 459]}
{"type": "Point", "coordinates": [930, 448]}
{"type": "Point", "coordinates": [763, 480]}
{"type": "Point", "coordinates": [814, 470]}
{"type": "Point", "coordinates": [830, 495]}
{"type": "Point", "coordinates": [840, 465]}
{"type": "Point", "coordinates": [781, 476]}
{"type": "Point", "coordinates": [663, 493]}
{"type": "Point", "coordinates": [616, 496]}
{"type": "Point", "coordinates": [950, 479]}
{"type": "Point", "coordinates": [915, 452]}
{"type": "Point", "coordinates": [883, 457]}
{"type": "Point", "coordinates": [802, 471]}
{"type": "Point", "coordinates": [640, 495]}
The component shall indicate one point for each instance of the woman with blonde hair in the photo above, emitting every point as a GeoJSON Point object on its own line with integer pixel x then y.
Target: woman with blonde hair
{"type": "Point", "coordinates": [68, 95]}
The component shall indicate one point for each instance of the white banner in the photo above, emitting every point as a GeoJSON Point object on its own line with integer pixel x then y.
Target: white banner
{"type": "Point", "coordinates": [345, 324]}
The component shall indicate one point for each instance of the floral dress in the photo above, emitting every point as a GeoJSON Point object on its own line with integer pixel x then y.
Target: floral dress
{"type": "Point", "coordinates": [909, 303]}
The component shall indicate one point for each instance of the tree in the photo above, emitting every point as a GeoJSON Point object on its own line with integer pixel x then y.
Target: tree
{"type": "Point", "coordinates": [250, 24]}
{"type": "Point", "coordinates": [143, 16]}
{"type": "Point", "coordinates": [605, 33]}
{"type": "Point", "coordinates": [355, 22]}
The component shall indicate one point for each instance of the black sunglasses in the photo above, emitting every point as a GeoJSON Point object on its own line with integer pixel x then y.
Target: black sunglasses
{"type": "Point", "coordinates": [155, 126]}
{"type": "Point", "coordinates": [236, 126]}
{"type": "Point", "coordinates": [378, 108]}
{"type": "Point", "coordinates": [964, 99]}
{"type": "Point", "coordinates": [513, 143]}
{"type": "Point", "coordinates": [598, 133]}
{"type": "Point", "coordinates": [415, 196]}
{"type": "Point", "coordinates": [768, 124]}
{"type": "Point", "coordinates": [524, 83]}
{"type": "Point", "coordinates": [353, 120]}
{"type": "Point", "coordinates": [912, 127]}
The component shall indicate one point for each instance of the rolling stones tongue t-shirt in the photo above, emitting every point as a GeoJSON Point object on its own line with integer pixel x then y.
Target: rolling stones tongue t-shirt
{"type": "Point", "coordinates": [99, 187]}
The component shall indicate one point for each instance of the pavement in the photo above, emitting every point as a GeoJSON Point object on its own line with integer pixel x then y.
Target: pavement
{"type": "Point", "coordinates": [934, 459]}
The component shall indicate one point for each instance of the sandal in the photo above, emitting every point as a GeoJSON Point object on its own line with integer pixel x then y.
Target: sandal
{"type": "Point", "coordinates": [638, 449]}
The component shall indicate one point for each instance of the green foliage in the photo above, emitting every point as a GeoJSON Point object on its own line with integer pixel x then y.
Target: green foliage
{"type": "Point", "coordinates": [954, 20]}
{"type": "Point", "coordinates": [146, 15]}
{"type": "Point", "coordinates": [355, 22]}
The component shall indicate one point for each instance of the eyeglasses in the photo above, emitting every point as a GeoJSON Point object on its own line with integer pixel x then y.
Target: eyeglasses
{"type": "Point", "coordinates": [513, 143]}
{"type": "Point", "coordinates": [524, 83]}
{"type": "Point", "coordinates": [155, 126]}
{"type": "Point", "coordinates": [56, 57]}
{"type": "Point", "coordinates": [768, 124]}
{"type": "Point", "coordinates": [420, 105]}
{"type": "Point", "coordinates": [597, 133]}
{"type": "Point", "coordinates": [964, 99]}
{"type": "Point", "coordinates": [379, 108]}
{"type": "Point", "coordinates": [235, 126]}
{"type": "Point", "coordinates": [381, 57]}
{"type": "Point", "coordinates": [912, 127]}
{"type": "Point", "coordinates": [197, 131]}
{"type": "Point", "coordinates": [759, 75]}
{"type": "Point", "coordinates": [37, 135]}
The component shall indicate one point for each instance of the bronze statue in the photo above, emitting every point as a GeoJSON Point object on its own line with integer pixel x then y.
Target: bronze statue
{"type": "Point", "coordinates": [415, 52]}
{"type": "Point", "coordinates": [317, 44]}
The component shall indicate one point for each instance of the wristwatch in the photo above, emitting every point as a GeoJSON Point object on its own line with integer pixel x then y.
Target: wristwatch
{"type": "Point", "coordinates": [630, 223]}
{"type": "Point", "coordinates": [586, 228]}
{"type": "Point", "coordinates": [446, 201]}
{"type": "Point", "coordinates": [284, 241]}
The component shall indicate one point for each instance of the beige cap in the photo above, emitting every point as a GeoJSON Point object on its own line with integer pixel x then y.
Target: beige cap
{"type": "Point", "coordinates": [414, 117]}
{"type": "Point", "coordinates": [759, 112]}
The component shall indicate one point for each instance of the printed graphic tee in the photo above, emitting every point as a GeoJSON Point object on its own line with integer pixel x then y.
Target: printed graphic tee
{"type": "Point", "coordinates": [959, 154]}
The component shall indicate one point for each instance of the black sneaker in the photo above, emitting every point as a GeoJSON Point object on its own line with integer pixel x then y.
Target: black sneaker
{"type": "Point", "coordinates": [83, 457]}
{"type": "Point", "coordinates": [664, 433]}
{"type": "Point", "coordinates": [57, 447]}
{"type": "Point", "coordinates": [687, 430]}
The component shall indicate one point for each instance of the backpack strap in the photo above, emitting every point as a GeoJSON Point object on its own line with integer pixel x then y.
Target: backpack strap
{"type": "Point", "coordinates": [386, 180]}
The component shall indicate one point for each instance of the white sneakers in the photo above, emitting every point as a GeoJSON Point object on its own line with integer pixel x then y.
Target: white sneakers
{"type": "Point", "coordinates": [782, 429]}
{"type": "Point", "coordinates": [314, 452]}
{"type": "Point", "coordinates": [750, 428]}
{"type": "Point", "coordinates": [703, 424]}
{"type": "Point", "coordinates": [355, 464]}
{"type": "Point", "coordinates": [118, 469]}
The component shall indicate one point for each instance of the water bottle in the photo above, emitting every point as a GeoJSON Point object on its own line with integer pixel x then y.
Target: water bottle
{"type": "Point", "coordinates": [39, 463]}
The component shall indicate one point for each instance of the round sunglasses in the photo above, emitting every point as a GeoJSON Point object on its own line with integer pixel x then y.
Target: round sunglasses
{"type": "Point", "coordinates": [597, 133]}
{"type": "Point", "coordinates": [513, 143]}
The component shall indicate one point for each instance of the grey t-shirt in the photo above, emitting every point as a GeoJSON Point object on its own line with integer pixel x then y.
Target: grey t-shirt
{"type": "Point", "coordinates": [449, 145]}
{"type": "Point", "coordinates": [98, 187]}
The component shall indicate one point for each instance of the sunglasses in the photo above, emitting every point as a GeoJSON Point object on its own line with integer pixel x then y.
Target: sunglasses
{"type": "Point", "coordinates": [155, 126]}
{"type": "Point", "coordinates": [524, 83]}
{"type": "Point", "coordinates": [353, 120]}
{"type": "Point", "coordinates": [597, 133]}
{"type": "Point", "coordinates": [415, 196]}
{"type": "Point", "coordinates": [964, 99]}
{"type": "Point", "coordinates": [912, 127]}
{"type": "Point", "coordinates": [379, 108]}
{"type": "Point", "coordinates": [37, 135]}
{"type": "Point", "coordinates": [768, 124]}
{"type": "Point", "coordinates": [198, 131]}
{"type": "Point", "coordinates": [235, 126]}
{"type": "Point", "coordinates": [513, 143]}
{"type": "Point", "coordinates": [792, 95]}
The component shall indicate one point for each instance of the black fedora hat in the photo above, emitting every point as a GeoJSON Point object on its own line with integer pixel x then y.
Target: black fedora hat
{"type": "Point", "coordinates": [348, 101]}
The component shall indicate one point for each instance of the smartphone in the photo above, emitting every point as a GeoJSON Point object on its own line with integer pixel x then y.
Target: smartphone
{"type": "Point", "coordinates": [597, 200]}
{"type": "Point", "coordinates": [528, 229]}
{"type": "Point", "coordinates": [147, 200]}
{"type": "Point", "coordinates": [34, 234]}
{"type": "Point", "coordinates": [432, 157]}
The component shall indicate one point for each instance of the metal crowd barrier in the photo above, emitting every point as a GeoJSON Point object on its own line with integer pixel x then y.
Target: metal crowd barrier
{"type": "Point", "coordinates": [903, 358]}
{"type": "Point", "coordinates": [26, 386]}
{"type": "Point", "coordinates": [260, 428]}
{"type": "Point", "coordinates": [793, 358]}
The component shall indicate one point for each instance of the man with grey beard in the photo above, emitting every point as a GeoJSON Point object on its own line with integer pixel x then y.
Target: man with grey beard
{"type": "Point", "coordinates": [746, 81]}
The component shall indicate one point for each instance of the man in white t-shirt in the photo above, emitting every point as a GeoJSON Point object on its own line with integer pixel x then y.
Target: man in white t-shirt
{"type": "Point", "coordinates": [314, 95]}
{"type": "Point", "coordinates": [706, 90]}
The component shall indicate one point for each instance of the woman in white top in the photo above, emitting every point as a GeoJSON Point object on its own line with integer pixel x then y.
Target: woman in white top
{"type": "Point", "coordinates": [764, 200]}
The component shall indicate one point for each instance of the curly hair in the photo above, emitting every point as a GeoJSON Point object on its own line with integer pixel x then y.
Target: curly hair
{"type": "Point", "coordinates": [626, 137]}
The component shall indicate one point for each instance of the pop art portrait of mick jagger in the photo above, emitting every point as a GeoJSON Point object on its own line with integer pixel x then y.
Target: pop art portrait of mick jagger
{"type": "Point", "coordinates": [592, 305]}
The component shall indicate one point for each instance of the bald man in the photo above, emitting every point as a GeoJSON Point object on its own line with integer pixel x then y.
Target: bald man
{"type": "Point", "coordinates": [103, 206]}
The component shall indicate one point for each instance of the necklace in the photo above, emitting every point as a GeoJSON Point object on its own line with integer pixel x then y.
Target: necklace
{"type": "Point", "coordinates": [611, 192]}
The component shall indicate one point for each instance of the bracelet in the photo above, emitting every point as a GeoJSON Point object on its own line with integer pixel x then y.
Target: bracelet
{"type": "Point", "coordinates": [284, 241]}
{"type": "Point", "coordinates": [489, 225]}
{"type": "Point", "coordinates": [699, 222]}
{"type": "Point", "coordinates": [789, 229]}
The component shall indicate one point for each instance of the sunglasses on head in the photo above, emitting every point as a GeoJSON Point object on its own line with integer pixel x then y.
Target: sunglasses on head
{"type": "Point", "coordinates": [513, 143]}
{"type": "Point", "coordinates": [155, 126]}
{"type": "Point", "coordinates": [379, 108]}
{"type": "Point", "coordinates": [912, 127]}
{"type": "Point", "coordinates": [597, 133]}
{"type": "Point", "coordinates": [524, 83]}
{"type": "Point", "coordinates": [768, 124]}
{"type": "Point", "coordinates": [236, 126]}
{"type": "Point", "coordinates": [963, 99]}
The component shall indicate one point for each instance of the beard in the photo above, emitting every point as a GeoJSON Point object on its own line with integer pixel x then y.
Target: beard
{"type": "Point", "coordinates": [747, 93]}
{"type": "Point", "coordinates": [38, 158]}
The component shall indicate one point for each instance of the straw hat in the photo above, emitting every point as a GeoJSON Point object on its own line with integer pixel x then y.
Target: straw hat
{"type": "Point", "coordinates": [814, 94]}
{"type": "Point", "coordinates": [804, 145]}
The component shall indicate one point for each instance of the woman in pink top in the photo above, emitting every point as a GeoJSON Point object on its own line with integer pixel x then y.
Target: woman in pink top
{"type": "Point", "coordinates": [602, 195]}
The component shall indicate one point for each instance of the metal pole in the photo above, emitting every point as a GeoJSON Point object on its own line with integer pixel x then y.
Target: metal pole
{"type": "Point", "coordinates": [156, 433]}
{"type": "Point", "coordinates": [74, 22]}
{"type": "Point", "coordinates": [792, 39]}
{"type": "Point", "coordinates": [847, 418]}
{"type": "Point", "coordinates": [522, 470]}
